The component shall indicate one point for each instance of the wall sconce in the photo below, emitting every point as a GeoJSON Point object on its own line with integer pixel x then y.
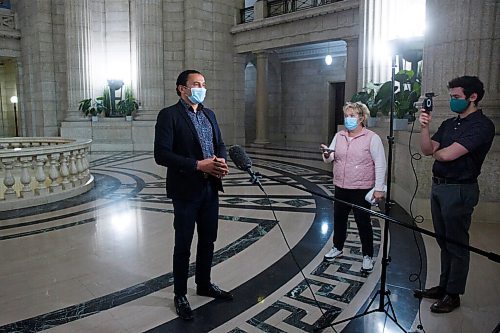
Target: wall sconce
{"type": "Point", "coordinates": [328, 60]}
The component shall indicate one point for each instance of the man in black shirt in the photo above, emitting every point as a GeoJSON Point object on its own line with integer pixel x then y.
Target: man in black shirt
{"type": "Point", "coordinates": [459, 148]}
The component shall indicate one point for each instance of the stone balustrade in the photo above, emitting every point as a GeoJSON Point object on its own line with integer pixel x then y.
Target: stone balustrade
{"type": "Point", "coordinates": [35, 171]}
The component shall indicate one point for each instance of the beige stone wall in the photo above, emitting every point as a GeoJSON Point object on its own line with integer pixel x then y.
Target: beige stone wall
{"type": "Point", "coordinates": [305, 99]}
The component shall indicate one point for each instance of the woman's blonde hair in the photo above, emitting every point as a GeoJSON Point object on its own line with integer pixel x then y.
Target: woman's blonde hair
{"type": "Point", "coordinates": [360, 109]}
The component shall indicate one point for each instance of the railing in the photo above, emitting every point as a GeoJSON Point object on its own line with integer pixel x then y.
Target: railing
{"type": "Point", "coordinates": [280, 7]}
{"type": "Point", "coordinates": [35, 171]}
{"type": "Point", "coordinates": [247, 15]}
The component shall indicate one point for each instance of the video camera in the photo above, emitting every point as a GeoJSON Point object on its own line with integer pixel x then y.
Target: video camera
{"type": "Point", "coordinates": [427, 103]}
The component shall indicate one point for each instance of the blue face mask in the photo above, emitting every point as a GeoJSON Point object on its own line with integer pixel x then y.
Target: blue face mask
{"type": "Point", "coordinates": [350, 123]}
{"type": "Point", "coordinates": [197, 95]}
{"type": "Point", "coordinates": [459, 105]}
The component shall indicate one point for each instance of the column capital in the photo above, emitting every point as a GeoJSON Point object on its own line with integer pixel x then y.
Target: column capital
{"type": "Point", "coordinates": [261, 53]}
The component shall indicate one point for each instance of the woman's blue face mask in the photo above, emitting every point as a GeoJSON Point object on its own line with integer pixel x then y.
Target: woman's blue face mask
{"type": "Point", "coordinates": [350, 123]}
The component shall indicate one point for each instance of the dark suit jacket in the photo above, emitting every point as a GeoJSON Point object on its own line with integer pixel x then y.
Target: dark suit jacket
{"type": "Point", "coordinates": [177, 147]}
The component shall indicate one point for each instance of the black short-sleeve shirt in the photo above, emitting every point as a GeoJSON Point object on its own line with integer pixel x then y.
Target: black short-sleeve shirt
{"type": "Point", "coordinates": [475, 132]}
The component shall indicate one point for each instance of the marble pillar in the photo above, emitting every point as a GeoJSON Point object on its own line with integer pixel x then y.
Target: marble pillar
{"type": "Point", "coordinates": [78, 51]}
{"type": "Point", "coordinates": [147, 21]}
{"type": "Point", "coordinates": [261, 99]}
{"type": "Point", "coordinates": [351, 76]}
{"type": "Point", "coordinates": [462, 39]}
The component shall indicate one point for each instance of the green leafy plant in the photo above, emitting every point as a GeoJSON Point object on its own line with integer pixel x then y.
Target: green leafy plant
{"type": "Point", "coordinates": [405, 95]}
{"type": "Point", "coordinates": [92, 107]}
{"type": "Point", "coordinates": [368, 97]}
{"type": "Point", "coordinates": [128, 105]}
{"type": "Point", "coordinates": [106, 101]}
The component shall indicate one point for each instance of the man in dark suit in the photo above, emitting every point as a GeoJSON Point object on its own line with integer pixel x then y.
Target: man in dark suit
{"type": "Point", "coordinates": [189, 143]}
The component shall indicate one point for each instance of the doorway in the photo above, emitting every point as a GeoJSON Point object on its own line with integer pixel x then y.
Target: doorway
{"type": "Point", "coordinates": [336, 103]}
{"type": "Point", "coordinates": [9, 117]}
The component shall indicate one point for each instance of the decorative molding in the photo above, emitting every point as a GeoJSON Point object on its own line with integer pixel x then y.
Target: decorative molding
{"type": "Point", "coordinates": [8, 25]}
{"type": "Point", "coordinates": [297, 16]}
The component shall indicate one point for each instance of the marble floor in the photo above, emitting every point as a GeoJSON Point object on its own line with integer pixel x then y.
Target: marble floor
{"type": "Point", "coordinates": [101, 262]}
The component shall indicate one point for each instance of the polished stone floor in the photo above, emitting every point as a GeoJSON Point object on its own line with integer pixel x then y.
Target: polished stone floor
{"type": "Point", "coordinates": [101, 262]}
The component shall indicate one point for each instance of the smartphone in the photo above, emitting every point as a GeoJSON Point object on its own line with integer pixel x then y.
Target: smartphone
{"type": "Point", "coordinates": [327, 150]}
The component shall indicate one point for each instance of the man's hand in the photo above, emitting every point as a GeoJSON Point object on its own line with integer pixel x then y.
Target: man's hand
{"type": "Point", "coordinates": [214, 166]}
{"type": "Point", "coordinates": [424, 119]}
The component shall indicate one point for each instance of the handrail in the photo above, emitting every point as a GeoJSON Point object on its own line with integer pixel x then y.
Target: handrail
{"type": "Point", "coordinates": [38, 170]}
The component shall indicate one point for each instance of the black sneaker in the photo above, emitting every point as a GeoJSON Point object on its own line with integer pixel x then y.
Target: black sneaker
{"type": "Point", "coordinates": [215, 292]}
{"type": "Point", "coordinates": [183, 308]}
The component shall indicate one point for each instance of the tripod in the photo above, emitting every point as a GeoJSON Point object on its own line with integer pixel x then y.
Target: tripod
{"type": "Point", "coordinates": [383, 293]}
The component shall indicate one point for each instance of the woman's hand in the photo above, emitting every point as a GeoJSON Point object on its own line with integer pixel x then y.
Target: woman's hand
{"type": "Point", "coordinates": [378, 196]}
{"type": "Point", "coordinates": [326, 151]}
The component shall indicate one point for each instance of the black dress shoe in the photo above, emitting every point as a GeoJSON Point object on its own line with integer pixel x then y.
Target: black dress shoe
{"type": "Point", "coordinates": [215, 292]}
{"type": "Point", "coordinates": [183, 308]}
{"type": "Point", "coordinates": [432, 293]}
{"type": "Point", "coordinates": [446, 304]}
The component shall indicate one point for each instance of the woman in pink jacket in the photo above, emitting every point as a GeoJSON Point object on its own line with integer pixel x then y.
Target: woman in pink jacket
{"type": "Point", "coordinates": [358, 166]}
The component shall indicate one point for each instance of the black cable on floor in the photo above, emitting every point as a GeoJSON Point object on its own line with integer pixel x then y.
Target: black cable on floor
{"type": "Point", "coordinates": [293, 257]}
{"type": "Point", "coordinates": [417, 219]}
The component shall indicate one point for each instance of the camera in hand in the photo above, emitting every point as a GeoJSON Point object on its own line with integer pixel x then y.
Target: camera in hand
{"type": "Point", "coordinates": [427, 103]}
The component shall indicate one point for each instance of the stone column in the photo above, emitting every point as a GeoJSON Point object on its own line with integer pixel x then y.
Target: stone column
{"type": "Point", "coordinates": [147, 19]}
{"type": "Point", "coordinates": [261, 104]}
{"type": "Point", "coordinates": [462, 41]}
{"type": "Point", "coordinates": [260, 10]}
{"type": "Point", "coordinates": [78, 51]}
{"type": "Point", "coordinates": [351, 75]}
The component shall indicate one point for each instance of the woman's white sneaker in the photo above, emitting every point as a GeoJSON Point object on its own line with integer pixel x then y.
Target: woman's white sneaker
{"type": "Point", "coordinates": [367, 264]}
{"type": "Point", "coordinates": [332, 254]}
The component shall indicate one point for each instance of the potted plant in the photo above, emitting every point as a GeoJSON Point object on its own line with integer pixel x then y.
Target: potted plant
{"type": "Point", "coordinates": [92, 107]}
{"type": "Point", "coordinates": [405, 97]}
{"type": "Point", "coordinates": [128, 106]}
{"type": "Point", "coordinates": [106, 101]}
{"type": "Point", "coordinates": [368, 97]}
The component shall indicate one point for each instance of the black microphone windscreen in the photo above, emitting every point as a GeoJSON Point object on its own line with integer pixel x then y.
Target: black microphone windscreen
{"type": "Point", "coordinates": [240, 158]}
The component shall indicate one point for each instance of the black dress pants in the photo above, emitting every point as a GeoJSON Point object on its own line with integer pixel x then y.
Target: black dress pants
{"type": "Point", "coordinates": [363, 220]}
{"type": "Point", "coordinates": [452, 207]}
{"type": "Point", "coordinates": [204, 212]}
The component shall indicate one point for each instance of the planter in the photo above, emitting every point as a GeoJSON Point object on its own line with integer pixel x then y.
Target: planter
{"type": "Point", "coordinates": [372, 122]}
{"type": "Point", "coordinates": [95, 118]}
{"type": "Point", "coordinates": [128, 118]}
{"type": "Point", "coordinates": [400, 124]}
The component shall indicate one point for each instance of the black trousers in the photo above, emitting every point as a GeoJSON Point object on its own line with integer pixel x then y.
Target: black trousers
{"type": "Point", "coordinates": [203, 212]}
{"type": "Point", "coordinates": [451, 207]}
{"type": "Point", "coordinates": [363, 220]}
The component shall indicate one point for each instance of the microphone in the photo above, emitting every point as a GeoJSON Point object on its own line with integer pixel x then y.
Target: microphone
{"type": "Point", "coordinates": [240, 158]}
{"type": "Point", "coordinates": [243, 162]}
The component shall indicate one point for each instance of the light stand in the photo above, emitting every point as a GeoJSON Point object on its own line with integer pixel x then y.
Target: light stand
{"type": "Point", "coordinates": [383, 292]}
